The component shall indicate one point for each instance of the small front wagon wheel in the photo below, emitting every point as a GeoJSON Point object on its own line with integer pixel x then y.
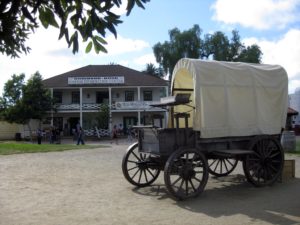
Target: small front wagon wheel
{"type": "Point", "coordinates": [186, 173]}
{"type": "Point", "coordinates": [136, 167]}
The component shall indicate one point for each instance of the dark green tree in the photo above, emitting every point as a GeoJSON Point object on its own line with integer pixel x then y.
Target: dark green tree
{"type": "Point", "coordinates": [152, 70]}
{"type": "Point", "coordinates": [12, 90]}
{"type": "Point", "coordinates": [22, 102]}
{"type": "Point", "coordinates": [250, 54]}
{"type": "Point", "coordinates": [181, 44]}
{"type": "Point", "coordinates": [74, 18]}
{"type": "Point", "coordinates": [103, 116]}
{"type": "Point", "coordinates": [217, 46]}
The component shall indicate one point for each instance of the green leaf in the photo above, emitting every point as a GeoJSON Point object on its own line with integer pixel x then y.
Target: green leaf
{"type": "Point", "coordinates": [43, 18]}
{"type": "Point", "coordinates": [101, 40]}
{"type": "Point", "coordinates": [50, 17]}
{"type": "Point", "coordinates": [98, 46]}
{"type": "Point", "coordinates": [89, 47]}
{"type": "Point", "coordinates": [112, 29]}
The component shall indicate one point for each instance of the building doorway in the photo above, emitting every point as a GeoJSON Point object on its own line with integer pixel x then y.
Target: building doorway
{"type": "Point", "coordinates": [129, 121]}
{"type": "Point", "coordinates": [73, 122]}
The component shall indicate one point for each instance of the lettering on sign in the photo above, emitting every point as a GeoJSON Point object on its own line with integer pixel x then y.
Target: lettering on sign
{"type": "Point", "coordinates": [96, 80]}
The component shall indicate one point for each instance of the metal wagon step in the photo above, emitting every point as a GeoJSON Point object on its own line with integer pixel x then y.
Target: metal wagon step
{"type": "Point", "coordinates": [232, 152]}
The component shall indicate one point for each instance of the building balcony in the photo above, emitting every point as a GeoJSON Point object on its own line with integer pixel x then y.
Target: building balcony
{"type": "Point", "coordinates": [117, 106]}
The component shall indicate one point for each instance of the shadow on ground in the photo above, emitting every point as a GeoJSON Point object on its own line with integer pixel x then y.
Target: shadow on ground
{"type": "Point", "coordinates": [232, 195]}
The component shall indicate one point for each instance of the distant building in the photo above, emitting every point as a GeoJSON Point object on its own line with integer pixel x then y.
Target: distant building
{"type": "Point", "coordinates": [81, 93]}
{"type": "Point", "coordinates": [294, 102]}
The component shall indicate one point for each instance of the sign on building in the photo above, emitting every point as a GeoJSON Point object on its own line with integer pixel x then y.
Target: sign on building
{"type": "Point", "coordinates": [96, 80]}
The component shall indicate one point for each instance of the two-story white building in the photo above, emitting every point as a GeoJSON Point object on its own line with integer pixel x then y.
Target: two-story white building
{"type": "Point", "coordinates": [81, 93]}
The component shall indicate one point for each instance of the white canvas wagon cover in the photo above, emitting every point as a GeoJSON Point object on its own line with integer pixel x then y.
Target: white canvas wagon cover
{"type": "Point", "coordinates": [233, 99]}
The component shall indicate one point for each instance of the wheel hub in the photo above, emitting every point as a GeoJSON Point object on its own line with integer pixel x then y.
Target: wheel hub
{"type": "Point", "coordinates": [187, 172]}
{"type": "Point", "coordinates": [142, 165]}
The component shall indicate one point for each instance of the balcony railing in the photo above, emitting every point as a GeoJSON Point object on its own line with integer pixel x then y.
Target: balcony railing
{"type": "Point", "coordinates": [135, 105]}
{"type": "Point", "coordinates": [85, 106]}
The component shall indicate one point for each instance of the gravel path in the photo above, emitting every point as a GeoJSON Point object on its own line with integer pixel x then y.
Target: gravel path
{"type": "Point", "coordinates": [87, 187]}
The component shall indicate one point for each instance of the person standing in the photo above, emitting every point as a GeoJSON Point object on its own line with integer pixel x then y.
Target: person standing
{"type": "Point", "coordinates": [115, 133]}
{"type": "Point", "coordinates": [80, 136]}
{"type": "Point", "coordinates": [39, 136]}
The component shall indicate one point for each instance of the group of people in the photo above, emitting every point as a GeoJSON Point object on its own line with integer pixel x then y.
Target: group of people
{"type": "Point", "coordinates": [53, 134]}
{"type": "Point", "coordinates": [79, 134]}
{"type": "Point", "coordinates": [131, 133]}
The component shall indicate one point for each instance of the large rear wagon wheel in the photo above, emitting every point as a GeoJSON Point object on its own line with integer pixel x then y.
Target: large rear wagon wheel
{"type": "Point", "coordinates": [186, 173]}
{"type": "Point", "coordinates": [137, 167]}
{"type": "Point", "coordinates": [264, 166]}
{"type": "Point", "coordinates": [221, 167]}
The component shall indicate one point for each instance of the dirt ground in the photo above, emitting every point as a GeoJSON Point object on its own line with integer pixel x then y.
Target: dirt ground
{"type": "Point", "coordinates": [87, 187]}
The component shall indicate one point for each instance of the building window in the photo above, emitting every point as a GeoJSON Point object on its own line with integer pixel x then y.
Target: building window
{"type": "Point", "coordinates": [102, 97]}
{"type": "Point", "coordinates": [129, 96]}
{"type": "Point", "coordinates": [57, 96]}
{"type": "Point", "coordinates": [75, 97]}
{"type": "Point", "coordinates": [147, 95]}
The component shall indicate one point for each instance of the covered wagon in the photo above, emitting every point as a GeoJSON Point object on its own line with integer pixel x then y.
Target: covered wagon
{"type": "Point", "coordinates": [219, 113]}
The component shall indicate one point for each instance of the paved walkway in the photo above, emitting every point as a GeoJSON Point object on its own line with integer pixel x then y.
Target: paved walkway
{"type": "Point", "coordinates": [87, 187]}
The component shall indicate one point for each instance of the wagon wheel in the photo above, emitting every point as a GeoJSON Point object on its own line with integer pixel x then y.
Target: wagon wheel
{"type": "Point", "coordinates": [264, 166]}
{"type": "Point", "coordinates": [221, 167]}
{"type": "Point", "coordinates": [186, 173]}
{"type": "Point", "coordinates": [136, 167]}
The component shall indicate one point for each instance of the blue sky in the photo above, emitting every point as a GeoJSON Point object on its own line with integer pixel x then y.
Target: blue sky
{"type": "Point", "coordinates": [272, 24]}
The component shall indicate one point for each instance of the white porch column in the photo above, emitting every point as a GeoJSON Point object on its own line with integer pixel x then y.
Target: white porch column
{"type": "Point", "coordinates": [139, 99]}
{"type": "Point", "coordinates": [51, 90]}
{"type": "Point", "coordinates": [166, 113]}
{"type": "Point", "coordinates": [80, 106]}
{"type": "Point", "coordinates": [110, 114]}
{"type": "Point", "coordinates": [139, 93]}
{"type": "Point", "coordinates": [139, 118]}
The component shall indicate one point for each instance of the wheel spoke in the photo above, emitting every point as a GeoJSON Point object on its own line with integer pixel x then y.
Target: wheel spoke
{"type": "Point", "coordinates": [273, 168]}
{"type": "Point", "coordinates": [139, 159]}
{"type": "Point", "coordinates": [192, 185]}
{"type": "Point", "coordinates": [175, 182]}
{"type": "Point", "coordinates": [197, 179]}
{"type": "Point", "coordinates": [216, 165]}
{"type": "Point", "coordinates": [253, 165]}
{"type": "Point", "coordinates": [275, 154]}
{"type": "Point", "coordinates": [227, 160]}
{"type": "Point", "coordinates": [181, 184]}
{"type": "Point", "coordinates": [141, 172]}
{"type": "Point", "coordinates": [133, 168]}
{"type": "Point", "coordinates": [186, 188]}
{"type": "Point", "coordinates": [146, 176]}
{"type": "Point", "coordinates": [226, 166]}
{"type": "Point", "coordinates": [135, 174]}
{"type": "Point", "coordinates": [150, 172]}
{"type": "Point", "coordinates": [212, 163]}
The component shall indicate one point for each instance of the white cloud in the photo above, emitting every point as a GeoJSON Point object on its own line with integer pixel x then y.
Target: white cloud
{"type": "Point", "coordinates": [285, 52]}
{"type": "Point", "coordinates": [258, 14]}
{"type": "Point", "coordinates": [145, 59]}
{"type": "Point", "coordinates": [120, 10]}
{"type": "Point", "coordinates": [52, 57]}
{"type": "Point", "coordinates": [124, 45]}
